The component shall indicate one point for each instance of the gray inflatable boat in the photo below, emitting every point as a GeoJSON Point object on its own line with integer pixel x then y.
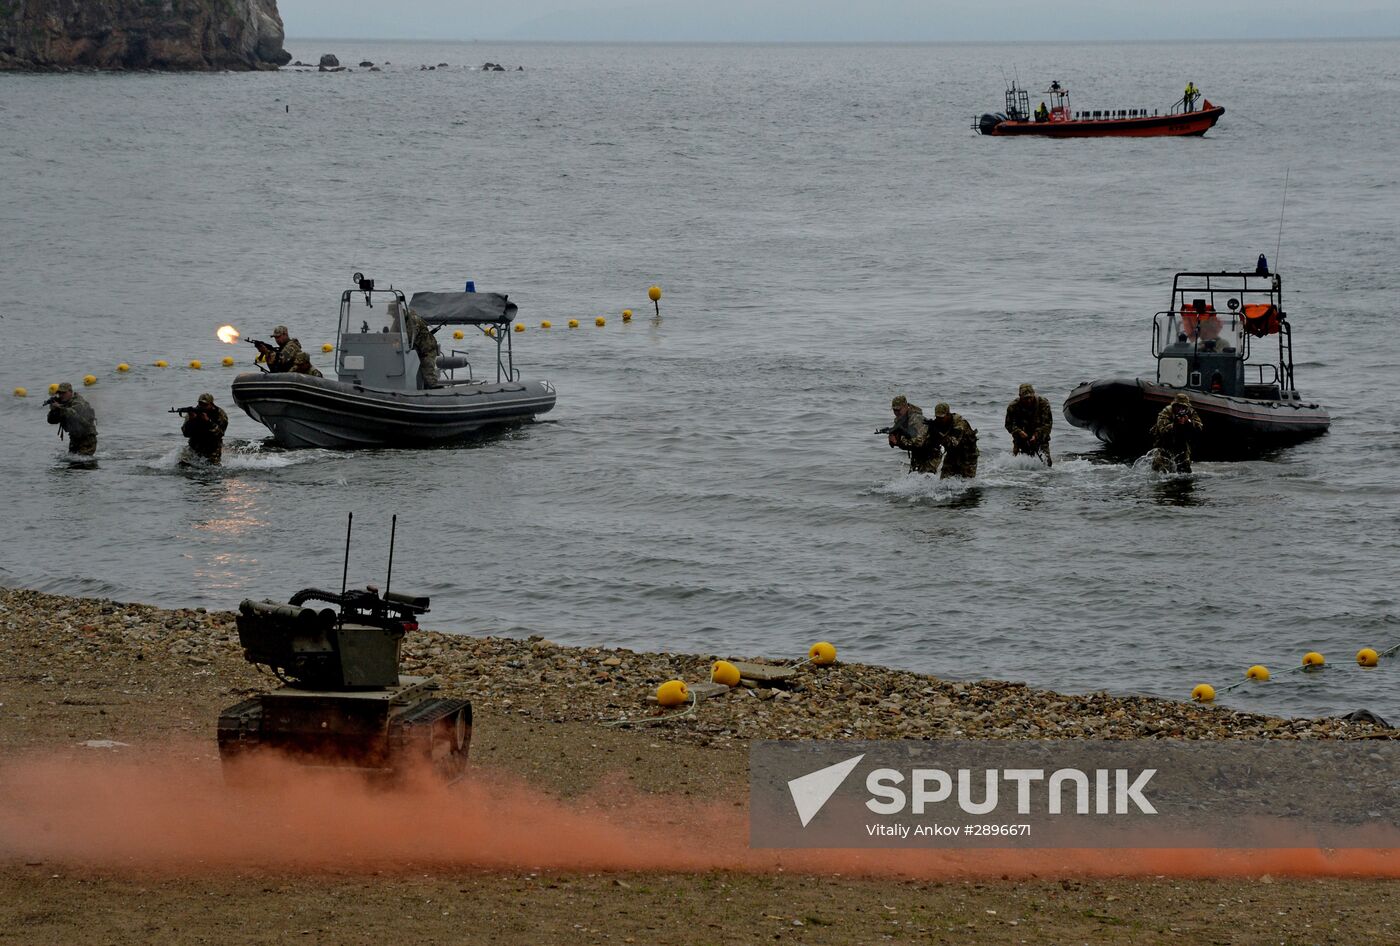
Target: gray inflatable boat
{"type": "Point", "coordinates": [378, 398]}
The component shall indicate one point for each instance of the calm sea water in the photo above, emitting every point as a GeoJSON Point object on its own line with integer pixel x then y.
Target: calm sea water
{"type": "Point", "coordinates": [828, 232]}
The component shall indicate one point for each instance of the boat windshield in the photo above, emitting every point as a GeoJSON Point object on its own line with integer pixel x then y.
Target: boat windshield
{"type": "Point", "coordinates": [1200, 330]}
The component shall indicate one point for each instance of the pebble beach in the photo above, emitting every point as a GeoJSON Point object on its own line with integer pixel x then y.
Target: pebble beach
{"type": "Point", "coordinates": [95, 644]}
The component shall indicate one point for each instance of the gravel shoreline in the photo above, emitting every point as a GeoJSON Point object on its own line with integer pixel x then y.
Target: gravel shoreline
{"type": "Point", "coordinates": [99, 644]}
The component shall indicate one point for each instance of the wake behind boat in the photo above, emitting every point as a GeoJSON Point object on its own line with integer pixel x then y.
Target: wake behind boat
{"type": "Point", "coordinates": [379, 397]}
{"type": "Point", "coordinates": [1058, 120]}
{"type": "Point", "coordinates": [1216, 345]}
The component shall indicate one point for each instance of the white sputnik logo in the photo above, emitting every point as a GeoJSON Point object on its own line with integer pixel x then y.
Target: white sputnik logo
{"type": "Point", "coordinates": [811, 791]}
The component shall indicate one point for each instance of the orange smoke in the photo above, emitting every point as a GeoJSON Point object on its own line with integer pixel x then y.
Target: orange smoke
{"type": "Point", "coordinates": [228, 334]}
{"type": "Point", "coordinates": [171, 815]}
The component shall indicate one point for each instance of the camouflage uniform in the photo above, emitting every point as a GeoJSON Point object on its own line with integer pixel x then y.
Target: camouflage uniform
{"type": "Point", "coordinates": [422, 340]}
{"type": "Point", "coordinates": [284, 356]}
{"type": "Point", "coordinates": [1176, 425]}
{"type": "Point", "coordinates": [1028, 420]}
{"type": "Point", "coordinates": [958, 439]}
{"type": "Point", "coordinates": [75, 418]}
{"type": "Point", "coordinates": [205, 429]}
{"type": "Point", "coordinates": [910, 432]}
{"type": "Point", "coordinates": [302, 365]}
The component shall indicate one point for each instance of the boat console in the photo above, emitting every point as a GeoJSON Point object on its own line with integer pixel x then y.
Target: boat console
{"type": "Point", "coordinates": [1203, 342]}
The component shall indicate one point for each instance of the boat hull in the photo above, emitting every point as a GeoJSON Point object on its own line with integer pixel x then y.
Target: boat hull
{"type": "Point", "coordinates": [306, 411]}
{"type": "Point", "coordinates": [1121, 411]}
{"type": "Point", "coordinates": [1156, 126]}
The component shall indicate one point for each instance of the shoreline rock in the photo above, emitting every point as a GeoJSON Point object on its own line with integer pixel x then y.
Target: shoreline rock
{"type": "Point", "coordinates": [199, 36]}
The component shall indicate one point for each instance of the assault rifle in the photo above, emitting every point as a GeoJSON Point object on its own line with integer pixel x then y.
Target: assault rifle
{"type": "Point", "coordinates": [262, 346]}
{"type": "Point", "coordinates": [52, 400]}
{"type": "Point", "coordinates": [885, 430]}
{"type": "Point", "coordinates": [186, 410]}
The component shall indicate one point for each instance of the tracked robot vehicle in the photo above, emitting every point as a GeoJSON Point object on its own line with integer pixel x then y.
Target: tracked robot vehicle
{"type": "Point", "coordinates": [343, 701]}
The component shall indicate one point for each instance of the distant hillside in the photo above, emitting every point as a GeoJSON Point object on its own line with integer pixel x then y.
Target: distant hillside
{"type": "Point", "coordinates": [178, 35]}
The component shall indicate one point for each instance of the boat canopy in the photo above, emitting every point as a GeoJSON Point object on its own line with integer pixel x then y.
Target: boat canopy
{"type": "Point", "coordinates": [463, 308]}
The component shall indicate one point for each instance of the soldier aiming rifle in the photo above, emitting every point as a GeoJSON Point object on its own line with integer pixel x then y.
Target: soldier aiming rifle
{"type": "Point", "coordinates": [280, 357]}
{"type": "Point", "coordinates": [204, 426]}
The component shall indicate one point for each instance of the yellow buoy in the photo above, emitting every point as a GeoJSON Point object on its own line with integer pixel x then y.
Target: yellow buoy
{"type": "Point", "coordinates": [89, 379]}
{"type": "Point", "coordinates": [53, 387]}
{"type": "Point", "coordinates": [21, 392]}
{"type": "Point", "coordinates": [672, 693]}
{"type": "Point", "coordinates": [327, 347]}
{"type": "Point", "coordinates": [458, 335]}
{"type": "Point", "coordinates": [626, 315]}
{"type": "Point", "coordinates": [545, 324]}
{"type": "Point", "coordinates": [1366, 657]}
{"type": "Point", "coordinates": [228, 361]}
{"type": "Point", "coordinates": [196, 364]}
{"type": "Point", "coordinates": [123, 367]}
{"type": "Point", "coordinates": [822, 654]}
{"type": "Point", "coordinates": [724, 673]}
{"type": "Point", "coordinates": [1313, 659]}
{"type": "Point", "coordinates": [654, 293]}
{"type": "Point", "coordinates": [600, 321]}
{"type": "Point", "coordinates": [162, 363]}
{"type": "Point", "coordinates": [520, 326]}
{"type": "Point", "coordinates": [1257, 672]}
{"type": "Point", "coordinates": [1204, 693]}
{"type": "Point", "coordinates": [573, 323]}
{"type": "Point", "coordinates": [490, 333]}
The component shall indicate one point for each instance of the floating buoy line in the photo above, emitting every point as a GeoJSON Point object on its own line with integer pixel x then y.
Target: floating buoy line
{"type": "Point", "coordinates": [1367, 658]}
{"type": "Point", "coordinates": [227, 361]}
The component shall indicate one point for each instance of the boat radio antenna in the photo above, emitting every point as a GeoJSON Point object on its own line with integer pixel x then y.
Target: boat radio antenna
{"type": "Point", "coordinates": [345, 572]}
{"type": "Point", "coordinates": [393, 527]}
{"type": "Point", "coordinates": [1279, 246]}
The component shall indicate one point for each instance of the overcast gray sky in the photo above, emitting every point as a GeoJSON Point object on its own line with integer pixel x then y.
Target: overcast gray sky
{"type": "Point", "coordinates": [837, 20]}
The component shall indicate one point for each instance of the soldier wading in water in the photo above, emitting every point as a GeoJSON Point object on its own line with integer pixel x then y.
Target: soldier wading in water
{"type": "Point", "coordinates": [958, 439]}
{"type": "Point", "coordinates": [1028, 420]}
{"type": "Point", "coordinates": [911, 432]}
{"type": "Point", "coordinates": [205, 426]}
{"type": "Point", "coordinates": [75, 418]}
{"type": "Point", "coordinates": [1176, 426]}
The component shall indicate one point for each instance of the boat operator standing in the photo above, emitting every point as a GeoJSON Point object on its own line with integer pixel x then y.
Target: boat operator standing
{"type": "Point", "coordinates": [422, 340]}
{"type": "Point", "coordinates": [910, 432]}
{"type": "Point", "coordinates": [1176, 427]}
{"type": "Point", "coordinates": [1189, 97]}
{"type": "Point", "coordinates": [1029, 421]}
{"type": "Point", "coordinates": [74, 417]}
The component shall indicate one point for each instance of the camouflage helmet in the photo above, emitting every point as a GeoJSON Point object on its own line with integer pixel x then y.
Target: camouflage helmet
{"type": "Point", "coordinates": [1027, 390]}
{"type": "Point", "coordinates": [302, 358]}
{"type": "Point", "coordinates": [899, 401]}
{"type": "Point", "coordinates": [279, 330]}
{"type": "Point", "coordinates": [206, 398]}
{"type": "Point", "coordinates": [1182, 399]}
{"type": "Point", "coordinates": [65, 388]}
{"type": "Point", "coordinates": [941, 409]}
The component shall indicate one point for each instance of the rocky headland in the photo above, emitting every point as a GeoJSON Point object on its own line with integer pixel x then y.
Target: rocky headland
{"type": "Point", "coordinates": [173, 35]}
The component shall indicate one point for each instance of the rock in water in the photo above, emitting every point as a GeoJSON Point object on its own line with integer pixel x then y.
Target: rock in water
{"type": "Point", "coordinates": [196, 35]}
{"type": "Point", "coordinates": [328, 61]}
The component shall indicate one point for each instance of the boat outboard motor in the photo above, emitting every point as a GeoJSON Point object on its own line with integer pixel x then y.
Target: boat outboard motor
{"type": "Point", "coordinates": [988, 121]}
